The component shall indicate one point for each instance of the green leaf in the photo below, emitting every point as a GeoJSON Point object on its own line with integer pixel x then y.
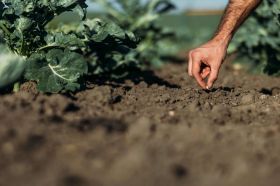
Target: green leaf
{"type": "Point", "coordinates": [57, 70]}
{"type": "Point", "coordinates": [23, 22]}
{"type": "Point", "coordinates": [61, 40]}
{"type": "Point", "coordinates": [99, 31]}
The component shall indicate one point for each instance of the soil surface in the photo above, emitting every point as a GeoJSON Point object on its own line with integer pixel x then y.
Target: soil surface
{"type": "Point", "coordinates": [157, 129]}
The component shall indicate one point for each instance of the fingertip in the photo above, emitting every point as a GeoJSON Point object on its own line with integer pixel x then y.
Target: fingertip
{"type": "Point", "coordinates": [208, 87]}
{"type": "Point", "coordinates": [210, 84]}
{"type": "Point", "coordinates": [204, 85]}
{"type": "Point", "coordinates": [189, 71]}
{"type": "Point", "coordinates": [212, 78]}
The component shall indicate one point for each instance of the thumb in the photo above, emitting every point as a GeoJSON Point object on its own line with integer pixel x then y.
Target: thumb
{"type": "Point", "coordinates": [212, 77]}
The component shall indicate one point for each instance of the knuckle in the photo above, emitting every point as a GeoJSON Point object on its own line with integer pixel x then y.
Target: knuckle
{"type": "Point", "coordinates": [195, 54]}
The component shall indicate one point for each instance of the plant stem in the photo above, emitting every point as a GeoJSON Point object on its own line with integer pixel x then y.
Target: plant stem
{"type": "Point", "coordinates": [4, 28]}
{"type": "Point", "coordinates": [49, 47]}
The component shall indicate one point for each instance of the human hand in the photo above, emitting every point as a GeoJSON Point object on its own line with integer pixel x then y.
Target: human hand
{"type": "Point", "coordinates": [205, 61]}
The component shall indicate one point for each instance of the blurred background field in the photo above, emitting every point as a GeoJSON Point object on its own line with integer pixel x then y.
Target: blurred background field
{"type": "Point", "coordinates": [195, 26]}
{"type": "Point", "coordinates": [196, 21]}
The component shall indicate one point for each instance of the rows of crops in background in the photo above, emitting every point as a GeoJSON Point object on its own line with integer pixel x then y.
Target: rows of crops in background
{"type": "Point", "coordinates": [195, 28]}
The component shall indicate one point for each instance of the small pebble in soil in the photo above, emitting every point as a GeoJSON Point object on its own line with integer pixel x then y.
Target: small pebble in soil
{"type": "Point", "coordinates": [237, 67]}
{"type": "Point", "coordinates": [263, 97]}
{"type": "Point", "coordinates": [171, 113]}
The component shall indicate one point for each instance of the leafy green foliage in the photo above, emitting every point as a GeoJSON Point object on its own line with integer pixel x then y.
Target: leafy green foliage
{"type": "Point", "coordinates": [106, 46]}
{"type": "Point", "coordinates": [140, 18]}
{"type": "Point", "coordinates": [11, 67]}
{"type": "Point", "coordinates": [259, 39]}
{"type": "Point", "coordinates": [56, 70]}
{"type": "Point", "coordinates": [60, 59]}
{"type": "Point", "coordinates": [23, 22]}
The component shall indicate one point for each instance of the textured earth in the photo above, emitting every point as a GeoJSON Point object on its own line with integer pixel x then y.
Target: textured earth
{"type": "Point", "coordinates": [158, 128]}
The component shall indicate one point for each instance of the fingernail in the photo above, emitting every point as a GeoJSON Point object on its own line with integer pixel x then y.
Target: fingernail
{"type": "Point", "coordinates": [208, 87]}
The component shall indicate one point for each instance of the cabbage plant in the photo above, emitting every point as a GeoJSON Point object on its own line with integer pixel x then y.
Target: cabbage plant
{"type": "Point", "coordinates": [61, 60]}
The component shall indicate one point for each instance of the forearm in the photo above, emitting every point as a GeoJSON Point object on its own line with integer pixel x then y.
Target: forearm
{"type": "Point", "coordinates": [236, 13]}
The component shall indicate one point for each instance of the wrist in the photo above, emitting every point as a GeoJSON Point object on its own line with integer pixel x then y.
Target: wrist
{"type": "Point", "coordinates": [223, 40]}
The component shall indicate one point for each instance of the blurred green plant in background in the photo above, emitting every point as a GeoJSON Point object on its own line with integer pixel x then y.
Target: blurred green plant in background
{"type": "Point", "coordinates": [258, 41]}
{"type": "Point", "coordinates": [157, 42]}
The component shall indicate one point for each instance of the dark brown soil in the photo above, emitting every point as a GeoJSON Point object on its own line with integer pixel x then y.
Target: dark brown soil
{"type": "Point", "coordinates": [155, 130]}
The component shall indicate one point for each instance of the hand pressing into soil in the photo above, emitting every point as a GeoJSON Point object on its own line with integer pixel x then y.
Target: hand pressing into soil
{"type": "Point", "coordinates": [205, 62]}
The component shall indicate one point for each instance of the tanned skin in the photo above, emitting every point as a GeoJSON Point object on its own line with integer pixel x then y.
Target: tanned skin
{"type": "Point", "coordinates": [206, 60]}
